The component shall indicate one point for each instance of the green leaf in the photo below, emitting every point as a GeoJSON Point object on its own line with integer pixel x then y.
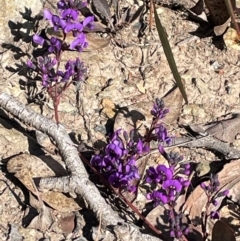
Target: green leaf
{"type": "Point", "coordinates": [169, 55]}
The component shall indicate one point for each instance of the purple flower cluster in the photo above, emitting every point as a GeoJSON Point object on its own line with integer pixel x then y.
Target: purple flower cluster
{"type": "Point", "coordinates": [159, 112]}
{"type": "Point", "coordinates": [177, 226]}
{"type": "Point", "coordinates": [118, 166]}
{"type": "Point", "coordinates": [118, 163]}
{"type": "Point", "coordinates": [212, 193]}
{"type": "Point", "coordinates": [46, 68]}
{"type": "Point", "coordinates": [67, 21]}
{"type": "Point", "coordinates": [171, 185]}
{"type": "Point", "coordinates": [169, 181]}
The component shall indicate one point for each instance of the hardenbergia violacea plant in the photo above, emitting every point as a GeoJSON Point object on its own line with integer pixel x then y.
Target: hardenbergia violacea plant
{"type": "Point", "coordinates": [212, 192]}
{"type": "Point", "coordinates": [54, 79]}
{"type": "Point", "coordinates": [117, 164]}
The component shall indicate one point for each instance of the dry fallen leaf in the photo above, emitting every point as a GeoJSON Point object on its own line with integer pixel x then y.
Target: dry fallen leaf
{"type": "Point", "coordinates": [225, 130]}
{"type": "Point", "coordinates": [222, 232]}
{"type": "Point", "coordinates": [28, 167]}
{"type": "Point", "coordinates": [67, 223]}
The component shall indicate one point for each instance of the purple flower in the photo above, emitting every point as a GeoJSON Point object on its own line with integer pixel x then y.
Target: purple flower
{"type": "Point", "coordinates": [162, 135]}
{"type": "Point", "coordinates": [184, 182]}
{"type": "Point", "coordinates": [158, 197]}
{"type": "Point", "coordinates": [55, 46]}
{"type": "Point", "coordinates": [79, 43]}
{"type": "Point", "coordinates": [139, 147]}
{"type": "Point", "coordinates": [62, 5]}
{"type": "Point", "coordinates": [38, 39]}
{"type": "Point", "coordinates": [31, 65]}
{"type": "Point", "coordinates": [213, 186]}
{"type": "Point", "coordinates": [203, 186]}
{"type": "Point", "coordinates": [80, 70]}
{"type": "Point", "coordinates": [46, 64]}
{"type": "Point", "coordinates": [214, 202]}
{"type": "Point", "coordinates": [223, 193]}
{"type": "Point", "coordinates": [117, 180]}
{"type": "Point", "coordinates": [158, 175]}
{"type": "Point", "coordinates": [215, 215]}
{"type": "Point", "coordinates": [131, 171]}
{"type": "Point", "coordinates": [123, 175]}
{"type": "Point", "coordinates": [65, 75]}
{"type": "Point", "coordinates": [55, 20]}
{"type": "Point", "coordinates": [158, 110]}
{"type": "Point", "coordinates": [173, 158]}
{"type": "Point", "coordinates": [45, 80]}
{"type": "Point", "coordinates": [114, 151]}
{"type": "Point", "coordinates": [69, 15]}
{"type": "Point", "coordinates": [76, 28]}
{"type": "Point", "coordinates": [97, 161]}
{"type": "Point", "coordinates": [172, 187]}
{"type": "Point", "coordinates": [152, 175]}
{"type": "Point", "coordinates": [88, 22]}
{"type": "Point", "coordinates": [164, 172]}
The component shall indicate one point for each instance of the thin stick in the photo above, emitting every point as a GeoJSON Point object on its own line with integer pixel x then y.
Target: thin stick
{"type": "Point", "coordinates": [151, 13]}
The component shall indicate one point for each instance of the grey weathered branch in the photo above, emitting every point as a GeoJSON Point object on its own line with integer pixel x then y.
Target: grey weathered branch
{"type": "Point", "coordinates": [207, 142]}
{"type": "Point", "coordinates": [78, 181]}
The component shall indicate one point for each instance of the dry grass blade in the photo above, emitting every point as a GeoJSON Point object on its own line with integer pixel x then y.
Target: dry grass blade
{"type": "Point", "coordinates": [169, 55]}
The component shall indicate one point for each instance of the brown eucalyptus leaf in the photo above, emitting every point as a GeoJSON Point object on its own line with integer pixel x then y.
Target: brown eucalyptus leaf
{"type": "Point", "coordinates": [67, 223]}
{"type": "Point", "coordinates": [229, 179]}
{"type": "Point", "coordinates": [222, 232]}
{"type": "Point", "coordinates": [27, 168]}
{"type": "Point", "coordinates": [225, 130]}
{"type": "Point", "coordinates": [218, 11]}
{"type": "Point", "coordinates": [102, 8]}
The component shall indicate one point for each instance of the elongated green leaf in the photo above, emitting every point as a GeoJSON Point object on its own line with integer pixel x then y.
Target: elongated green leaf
{"type": "Point", "coordinates": [169, 55]}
